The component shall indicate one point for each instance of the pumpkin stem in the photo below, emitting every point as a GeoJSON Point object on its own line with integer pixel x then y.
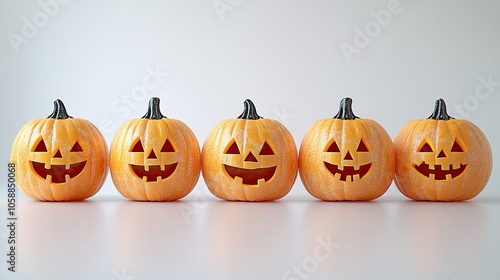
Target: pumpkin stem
{"type": "Point", "coordinates": [154, 112]}
{"type": "Point", "coordinates": [59, 112]}
{"type": "Point", "coordinates": [440, 112]}
{"type": "Point", "coordinates": [345, 110]}
{"type": "Point", "coordinates": [249, 112]}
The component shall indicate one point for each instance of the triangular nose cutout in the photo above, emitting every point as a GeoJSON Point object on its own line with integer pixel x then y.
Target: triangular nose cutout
{"type": "Point", "coordinates": [251, 157]}
{"type": "Point", "coordinates": [152, 154]}
{"type": "Point", "coordinates": [58, 154]}
{"type": "Point", "coordinates": [348, 156]}
{"type": "Point", "coordinates": [441, 154]}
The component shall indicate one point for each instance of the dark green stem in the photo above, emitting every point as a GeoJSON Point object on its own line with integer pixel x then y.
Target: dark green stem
{"type": "Point", "coordinates": [345, 110]}
{"type": "Point", "coordinates": [154, 112]}
{"type": "Point", "coordinates": [249, 112]}
{"type": "Point", "coordinates": [440, 112]}
{"type": "Point", "coordinates": [59, 112]}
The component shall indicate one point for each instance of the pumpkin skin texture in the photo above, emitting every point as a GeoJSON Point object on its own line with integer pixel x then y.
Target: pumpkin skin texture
{"type": "Point", "coordinates": [155, 158]}
{"type": "Point", "coordinates": [60, 158]}
{"type": "Point", "coordinates": [249, 158]}
{"type": "Point", "coordinates": [346, 158]}
{"type": "Point", "coordinates": [442, 158]}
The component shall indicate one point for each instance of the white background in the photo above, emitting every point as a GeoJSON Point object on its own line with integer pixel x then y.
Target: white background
{"type": "Point", "coordinates": [284, 55]}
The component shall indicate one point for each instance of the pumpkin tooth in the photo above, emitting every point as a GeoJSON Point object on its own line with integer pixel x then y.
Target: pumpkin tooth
{"type": "Point", "coordinates": [355, 176]}
{"type": "Point", "coordinates": [261, 181]}
{"type": "Point", "coordinates": [66, 178]}
{"type": "Point", "coordinates": [162, 167]}
{"type": "Point", "coordinates": [432, 176]}
{"type": "Point", "coordinates": [238, 179]}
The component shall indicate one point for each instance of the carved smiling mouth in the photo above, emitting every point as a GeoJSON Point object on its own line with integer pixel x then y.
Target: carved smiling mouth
{"type": "Point", "coordinates": [348, 171]}
{"type": "Point", "coordinates": [58, 172]}
{"type": "Point", "coordinates": [251, 176]}
{"type": "Point", "coordinates": [439, 173]}
{"type": "Point", "coordinates": [154, 171]}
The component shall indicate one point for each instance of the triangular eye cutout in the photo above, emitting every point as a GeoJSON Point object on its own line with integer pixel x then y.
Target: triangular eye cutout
{"type": "Point", "coordinates": [77, 147]}
{"type": "Point", "coordinates": [167, 147]}
{"type": "Point", "coordinates": [426, 148]}
{"type": "Point", "coordinates": [137, 147]}
{"type": "Point", "coordinates": [333, 148]}
{"type": "Point", "coordinates": [362, 146]}
{"type": "Point", "coordinates": [41, 147]}
{"type": "Point", "coordinates": [233, 149]}
{"type": "Point", "coordinates": [266, 150]}
{"type": "Point", "coordinates": [456, 147]}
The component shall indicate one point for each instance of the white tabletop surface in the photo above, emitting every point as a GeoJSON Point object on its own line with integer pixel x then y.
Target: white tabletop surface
{"type": "Point", "coordinates": [295, 238]}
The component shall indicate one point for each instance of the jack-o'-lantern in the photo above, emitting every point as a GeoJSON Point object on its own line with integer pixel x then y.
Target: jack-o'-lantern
{"type": "Point", "coordinates": [249, 158]}
{"type": "Point", "coordinates": [442, 158]}
{"type": "Point", "coordinates": [154, 158]}
{"type": "Point", "coordinates": [60, 158]}
{"type": "Point", "coordinates": [346, 157]}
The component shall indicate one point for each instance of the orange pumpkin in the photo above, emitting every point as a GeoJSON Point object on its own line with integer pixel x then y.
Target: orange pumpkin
{"type": "Point", "coordinates": [155, 158]}
{"type": "Point", "coordinates": [346, 157]}
{"type": "Point", "coordinates": [249, 158]}
{"type": "Point", "coordinates": [442, 158]}
{"type": "Point", "coordinates": [60, 158]}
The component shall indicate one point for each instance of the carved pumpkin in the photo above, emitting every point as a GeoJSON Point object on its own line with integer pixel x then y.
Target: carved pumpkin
{"type": "Point", "coordinates": [346, 157]}
{"type": "Point", "coordinates": [60, 158]}
{"type": "Point", "coordinates": [154, 158]}
{"type": "Point", "coordinates": [442, 158]}
{"type": "Point", "coordinates": [249, 158]}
